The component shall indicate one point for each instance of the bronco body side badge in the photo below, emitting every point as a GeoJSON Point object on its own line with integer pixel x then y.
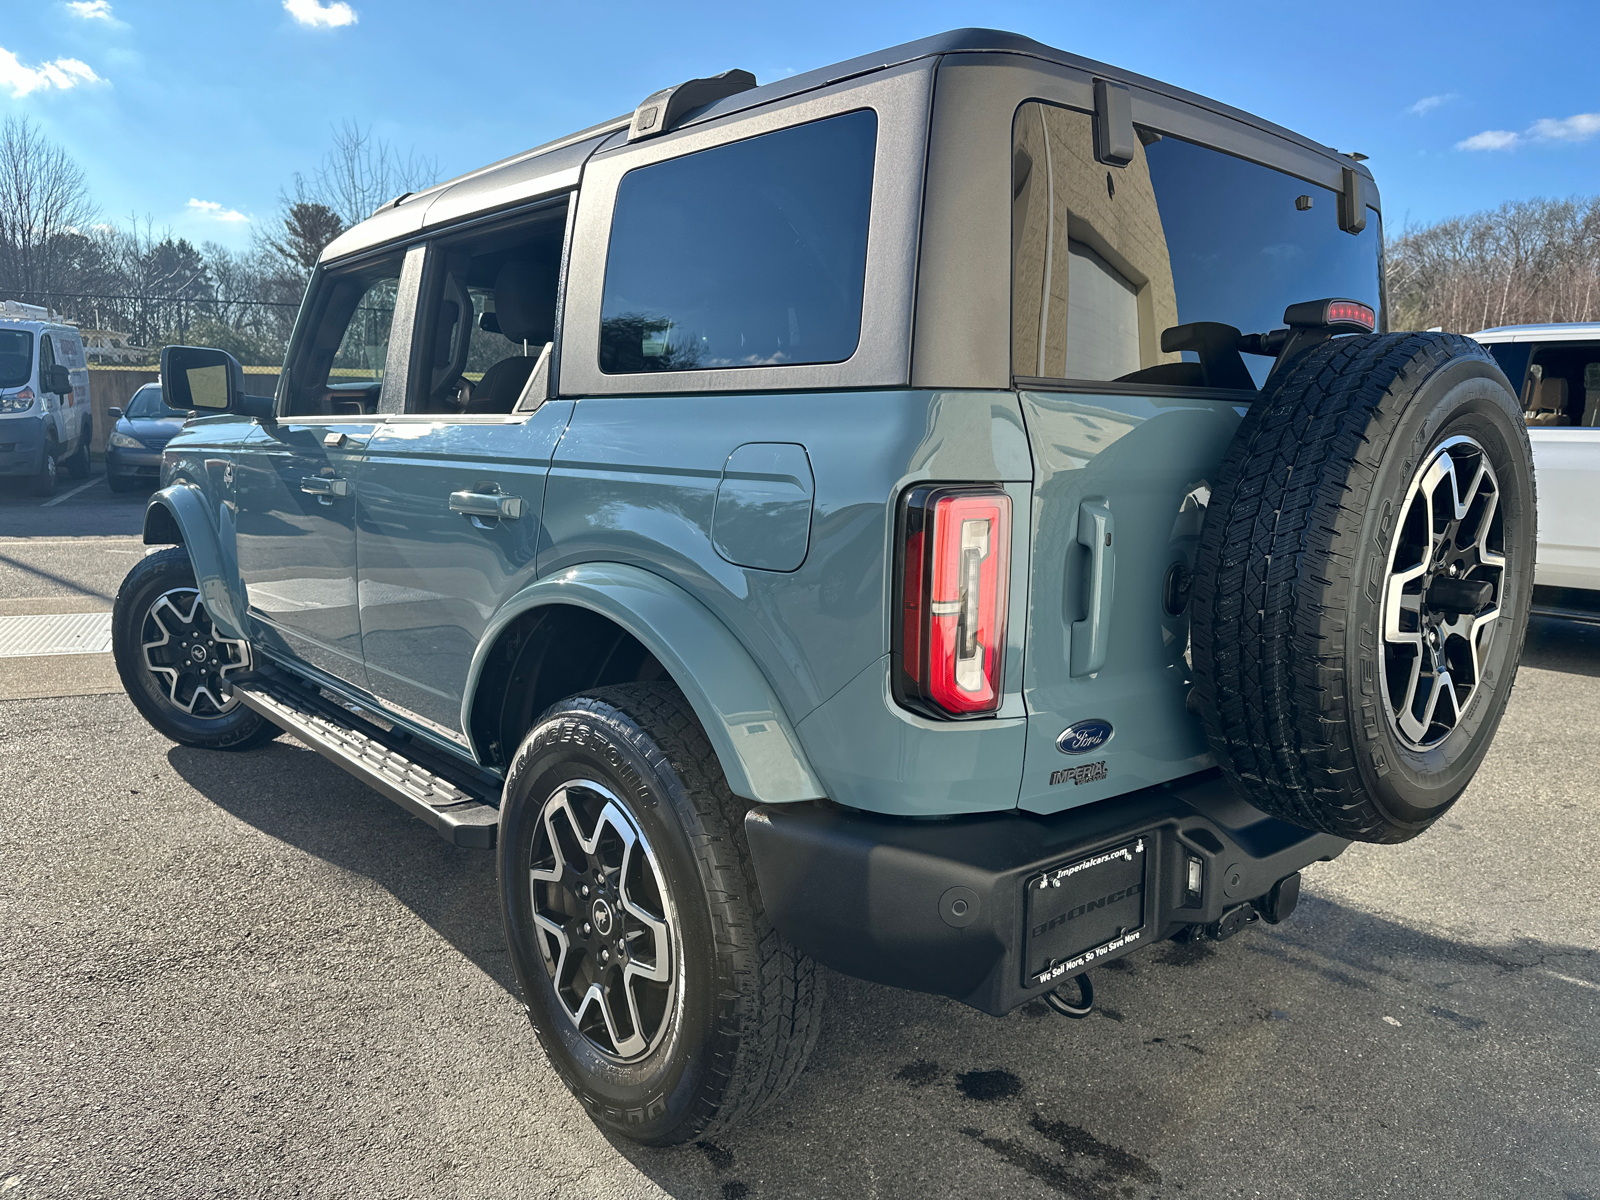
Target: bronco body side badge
{"type": "Point", "coordinates": [1083, 736]}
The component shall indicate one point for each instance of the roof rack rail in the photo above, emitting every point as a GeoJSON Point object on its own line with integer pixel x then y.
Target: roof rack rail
{"type": "Point", "coordinates": [660, 111]}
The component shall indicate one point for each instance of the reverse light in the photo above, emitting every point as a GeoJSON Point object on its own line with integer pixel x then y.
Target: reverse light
{"type": "Point", "coordinates": [17, 401]}
{"type": "Point", "coordinates": [1194, 880]}
{"type": "Point", "coordinates": [951, 597]}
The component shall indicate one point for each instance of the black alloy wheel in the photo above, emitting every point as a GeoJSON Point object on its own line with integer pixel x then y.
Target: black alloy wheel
{"type": "Point", "coordinates": [176, 665]}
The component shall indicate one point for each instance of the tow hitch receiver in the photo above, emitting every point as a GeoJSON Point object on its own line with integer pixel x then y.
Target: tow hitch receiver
{"type": "Point", "coordinates": [1275, 906]}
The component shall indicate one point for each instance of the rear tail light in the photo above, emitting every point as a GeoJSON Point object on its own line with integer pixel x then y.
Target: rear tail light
{"type": "Point", "coordinates": [951, 598]}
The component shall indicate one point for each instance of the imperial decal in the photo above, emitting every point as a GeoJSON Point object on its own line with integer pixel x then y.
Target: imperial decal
{"type": "Point", "coordinates": [1088, 773]}
{"type": "Point", "coordinates": [1083, 736]}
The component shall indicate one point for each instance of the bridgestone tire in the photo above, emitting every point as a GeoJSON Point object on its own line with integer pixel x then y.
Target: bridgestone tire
{"type": "Point", "coordinates": [1311, 519]}
{"type": "Point", "coordinates": [165, 572]}
{"type": "Point", "coordinates": [746, 1008]}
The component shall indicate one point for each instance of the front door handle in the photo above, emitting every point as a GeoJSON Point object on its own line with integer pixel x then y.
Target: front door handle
{"type": "Point", "coordinates": [490, 505]}
{"type": "Point", "coordinates": [1091, 636]}
{"type": "Point", "coordinates": [325, 485]}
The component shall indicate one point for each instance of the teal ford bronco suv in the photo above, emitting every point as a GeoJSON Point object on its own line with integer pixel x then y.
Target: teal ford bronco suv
{"type": "Point", "coordinates": [956, 516]}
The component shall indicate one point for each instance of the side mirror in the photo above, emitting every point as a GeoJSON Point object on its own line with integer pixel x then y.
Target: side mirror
{"type": "Point", "coordinates": [114, 413]}
{"type": "Point", "coordinates": [202, 379]}
{"type": "Point", "coordinates": [59, 380]}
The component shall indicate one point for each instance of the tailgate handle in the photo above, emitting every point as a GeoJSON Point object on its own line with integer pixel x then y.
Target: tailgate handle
{"type": "Point", "coordinates": [1091, 635]}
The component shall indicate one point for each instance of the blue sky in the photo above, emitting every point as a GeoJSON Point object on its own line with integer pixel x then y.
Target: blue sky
{"type": "Point", "coordinates": [196, 114]}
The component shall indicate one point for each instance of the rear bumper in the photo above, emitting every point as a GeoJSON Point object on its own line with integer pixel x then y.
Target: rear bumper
{"type": "Point", "coordinates": [945, 906]}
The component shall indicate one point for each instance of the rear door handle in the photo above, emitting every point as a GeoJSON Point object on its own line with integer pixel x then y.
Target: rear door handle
{"type": "Point", "coordinates": [325, 485]}
{"type": "Point", "coordinates": [491, 505]}
{"type": "Point", "coordinates": [1092, 635]}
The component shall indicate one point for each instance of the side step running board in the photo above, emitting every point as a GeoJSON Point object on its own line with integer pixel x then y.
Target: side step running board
{"type": "Point", "coordinates": [461, 809]}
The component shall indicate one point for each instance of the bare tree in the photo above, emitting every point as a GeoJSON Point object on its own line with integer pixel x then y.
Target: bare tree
{"type": "Point", "coordinates": [44, 200]}
{"type": "Point", "coordinates": [362, 172]}
{"type": "Point", "coordinates": [1527, 261]}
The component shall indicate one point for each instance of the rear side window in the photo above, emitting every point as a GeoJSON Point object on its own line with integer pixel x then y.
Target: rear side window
{"type": "Point", "coordinates": [745, 255]}
{"type": "Point", "coordinates": [16, 357]}
{"type": "Point", "coordinates": [1104, 259]}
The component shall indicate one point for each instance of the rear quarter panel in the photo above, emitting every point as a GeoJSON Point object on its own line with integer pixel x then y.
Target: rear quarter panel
{"type": "Point", "coordinates": [635, 481]}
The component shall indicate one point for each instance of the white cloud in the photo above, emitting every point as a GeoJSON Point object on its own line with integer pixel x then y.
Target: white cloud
{"type": "Point", "coordinates": [210, 208]}
{"type": "Point", "coordinates": [91, 10]}
{"type": "Point", "coordinates": [1428, 103]}
{"type": "Point", "coordinates": [1578, 128]}
{"type": "Point", "coordinates": [326, 16]}
{"type": "Point", "coordinates": [1490, 139]}
{"type": "Point", "coordinates": [63, 73]}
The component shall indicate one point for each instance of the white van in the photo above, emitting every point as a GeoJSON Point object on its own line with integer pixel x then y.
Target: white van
{"type": "Point", "coordinates": [46, 421]}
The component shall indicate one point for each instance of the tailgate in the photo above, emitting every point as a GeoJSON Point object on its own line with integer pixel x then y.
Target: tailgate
{"type": "Point", "coordinates": [1120, 484]}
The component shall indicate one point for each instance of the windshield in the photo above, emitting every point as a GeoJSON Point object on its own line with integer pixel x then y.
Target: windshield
{"type": "Point", "coordinates": [1105, 260]}
{"type": "Point", "coordinates": [16, 357]}
{"type": "Point", "coordinates": [146, 405]}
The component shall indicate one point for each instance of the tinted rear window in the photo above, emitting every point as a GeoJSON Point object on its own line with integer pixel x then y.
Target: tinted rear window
{"type": "Point", "coordinates": [751, 254]}
{"type": "Point", "coordinates": [16, 357]}
{"type": "Point", "coordinates": [1104, 259]}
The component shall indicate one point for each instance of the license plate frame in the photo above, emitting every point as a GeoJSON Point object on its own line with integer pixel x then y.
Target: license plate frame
{"type": "Point", "coordinates": [1085, 910]}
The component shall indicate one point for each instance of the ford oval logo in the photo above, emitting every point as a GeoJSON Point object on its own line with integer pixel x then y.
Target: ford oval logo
{"type": "Point", "coordinates": [1084, 736]}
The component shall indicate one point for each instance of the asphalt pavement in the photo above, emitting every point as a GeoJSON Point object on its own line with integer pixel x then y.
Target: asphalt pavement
{"type": "Point", "coordinates": [247, 975]}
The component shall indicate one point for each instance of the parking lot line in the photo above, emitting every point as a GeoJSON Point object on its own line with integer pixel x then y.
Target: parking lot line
{"type": "Point", "coordinates": [69, 495]}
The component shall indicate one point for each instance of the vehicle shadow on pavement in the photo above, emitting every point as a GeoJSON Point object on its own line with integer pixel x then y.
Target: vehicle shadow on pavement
{"type": "Point", "coordinates": [1338, 1053]}
{"type": "Point", "coordinates": [293, 794]}
{"type": "Point", "coordinates": [1556, 644]}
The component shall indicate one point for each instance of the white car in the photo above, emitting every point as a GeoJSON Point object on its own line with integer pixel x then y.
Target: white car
{"type": "Point", "coordinates": [1557, 370]}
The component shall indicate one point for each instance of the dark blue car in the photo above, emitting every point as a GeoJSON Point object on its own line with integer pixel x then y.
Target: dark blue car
{"type": "Point", "coordinates": [139, 435]}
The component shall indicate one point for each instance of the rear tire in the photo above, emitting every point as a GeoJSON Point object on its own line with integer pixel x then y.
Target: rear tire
{"type": "Point", "coordinates": [174, 663]}
{"type": "Point", "coordinates": [720, 1012]}
{"type": "Point", "coordinates": [77, 464]}
{"type": "Point", "coordinates": [1355, 640]}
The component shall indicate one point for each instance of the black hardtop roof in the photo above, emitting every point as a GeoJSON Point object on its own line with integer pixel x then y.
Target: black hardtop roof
{"type": "Point", "coordinates": [954, 41]}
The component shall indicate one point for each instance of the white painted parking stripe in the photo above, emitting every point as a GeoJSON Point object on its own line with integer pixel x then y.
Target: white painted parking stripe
{"type": "Point", "coordinates": [82, 487]}
{"type": "Point", "coordinates": [63, 633]}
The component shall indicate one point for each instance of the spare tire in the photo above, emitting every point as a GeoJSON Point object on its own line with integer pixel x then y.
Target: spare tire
{"type": "Point", "coordinates": [1362, 585]}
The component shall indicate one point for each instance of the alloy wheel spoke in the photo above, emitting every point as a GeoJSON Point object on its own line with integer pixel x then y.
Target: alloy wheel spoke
{"type": "Point", "coordinates": [613, 967]}
{"type": "Point", "coordinates": [190, 656]}
{"type": "Point", "coordinates": [1433, 651]}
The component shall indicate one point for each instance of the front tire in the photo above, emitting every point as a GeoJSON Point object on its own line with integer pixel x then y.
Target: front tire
{"type": "Point", "coordinates": [659, 990]}
{"type": "Point", "coordinates": [174, 662]}
{"type": "Point", "coordinates": [49, 473]}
